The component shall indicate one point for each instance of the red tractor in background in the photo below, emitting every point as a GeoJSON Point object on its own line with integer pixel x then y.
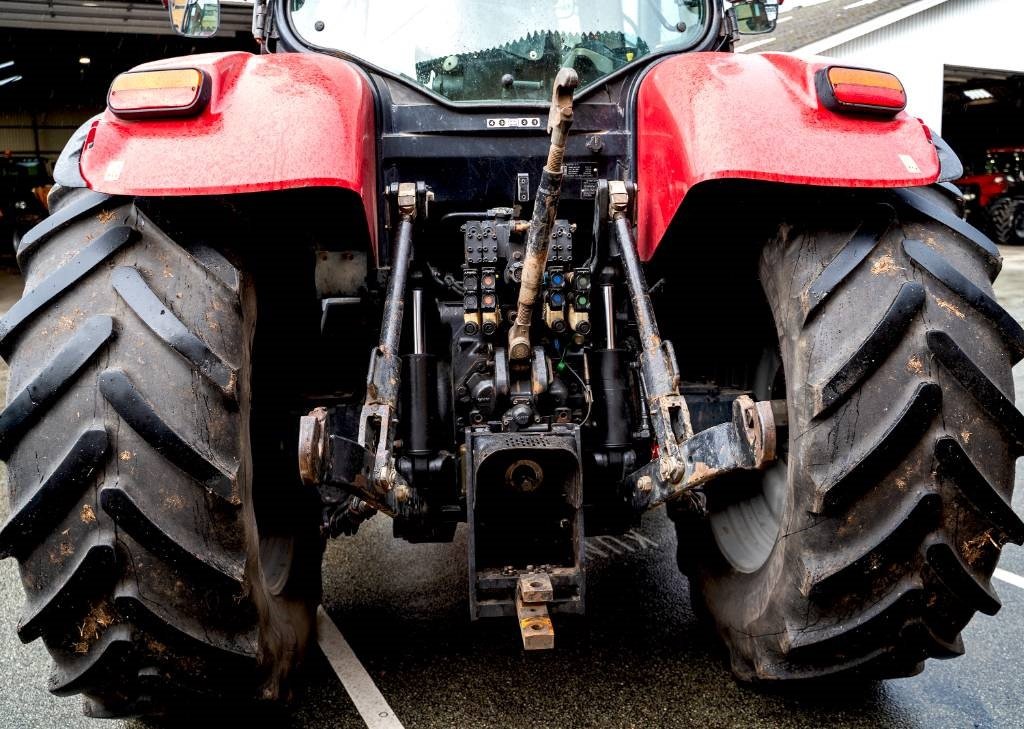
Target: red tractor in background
{"type": "Point", "coordinates": [534, 268]}
{"type": "Point", "coordinates": [994, 197]}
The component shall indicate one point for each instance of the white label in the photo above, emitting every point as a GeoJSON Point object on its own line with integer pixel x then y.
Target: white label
{"type": "Point", "coordinates": [522, 122]}
{"type": "Point", "coordinates": [910, 164]}
{"type": "Point", "coordinates": [113, 173]}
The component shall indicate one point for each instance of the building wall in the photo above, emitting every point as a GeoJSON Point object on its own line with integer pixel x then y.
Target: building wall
{"type": "Point", "coordinates": [974, 33]}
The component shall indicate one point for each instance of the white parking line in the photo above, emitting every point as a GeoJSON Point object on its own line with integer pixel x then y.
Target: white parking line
{"type": "Point", "coordinates": [755, 44]}
{"type": "Point", "coordinates": [858, 4]}
{"type": "Point", "coordinates": [369, 701]}
{"type": "Point", "coordinates": [1009, 577]}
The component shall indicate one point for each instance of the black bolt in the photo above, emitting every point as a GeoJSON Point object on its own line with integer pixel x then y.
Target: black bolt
{"type": "Point", "coordinates": [319, 25]}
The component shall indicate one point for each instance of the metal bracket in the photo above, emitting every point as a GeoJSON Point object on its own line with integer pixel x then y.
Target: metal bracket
{"type": "Point", "coordinates": [747, 443]}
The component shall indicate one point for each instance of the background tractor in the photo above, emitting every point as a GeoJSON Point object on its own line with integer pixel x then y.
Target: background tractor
{"type": "Point", "coordinates": [530, 268]}
{"type": "Point", "coordinates": [995, 195]}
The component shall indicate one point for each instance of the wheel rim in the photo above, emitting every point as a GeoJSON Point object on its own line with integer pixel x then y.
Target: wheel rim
{"type": "Point", "coordinates": [277, 556]}
{"type": "Point", "coordinates": [746, 530]}
{"type": "Point", "coordinates": [1018, 222]}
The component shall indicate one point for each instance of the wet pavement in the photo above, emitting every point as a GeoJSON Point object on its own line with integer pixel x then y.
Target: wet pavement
{"type": "Point", "coordinates": [639, 658]}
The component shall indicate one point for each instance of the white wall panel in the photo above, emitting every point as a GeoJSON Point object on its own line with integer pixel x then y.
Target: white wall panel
{"type": "Point", "coordinates": [969, 33]}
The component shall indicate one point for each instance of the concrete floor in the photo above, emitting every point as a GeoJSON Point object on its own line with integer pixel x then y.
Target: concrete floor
{"type": "Point", "coordinates": [639, 658]}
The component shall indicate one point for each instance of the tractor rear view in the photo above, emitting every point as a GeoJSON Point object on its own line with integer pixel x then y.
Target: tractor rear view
{"type": "Point", "coordinates": [531, 269]}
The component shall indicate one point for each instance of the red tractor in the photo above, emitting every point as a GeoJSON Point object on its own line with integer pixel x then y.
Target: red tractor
{"type": "Point", "coordinates": [995, 196]}
{"type": "Point", "coordinates": [535, 268]}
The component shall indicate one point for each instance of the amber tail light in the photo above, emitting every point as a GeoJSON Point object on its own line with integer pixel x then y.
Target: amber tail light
{"type": "Point", "coordinates": [175, 92]}
{"type": "Point", "coordinates": [860, 91]}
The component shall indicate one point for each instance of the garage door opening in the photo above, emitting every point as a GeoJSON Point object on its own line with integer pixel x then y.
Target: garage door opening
{"type": "Point", "coordinates": [983, 120]}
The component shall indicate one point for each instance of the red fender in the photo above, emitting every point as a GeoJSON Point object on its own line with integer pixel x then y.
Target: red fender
{"type": "Point", "coordinates": [273, 122]}
{"type": "Point", "coordinates": [710, 116]}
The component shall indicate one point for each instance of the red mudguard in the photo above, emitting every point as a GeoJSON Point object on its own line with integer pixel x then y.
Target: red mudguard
{"type": "Point", "coordinates": [709, 116]}
{"type": "Point", "coordinates": [273, 122]}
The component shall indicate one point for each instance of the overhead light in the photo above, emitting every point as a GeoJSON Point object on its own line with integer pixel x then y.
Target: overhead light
{"type": "Point", "coordinates": [977, 94]}
{"type": "Point", "coordinates": [85, 60]}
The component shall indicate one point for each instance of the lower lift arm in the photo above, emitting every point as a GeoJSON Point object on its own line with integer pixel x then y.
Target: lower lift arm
{"type": "Point", "coordinates": [366, 467]}
{"type": "Point", "coordinates": [684, 460]}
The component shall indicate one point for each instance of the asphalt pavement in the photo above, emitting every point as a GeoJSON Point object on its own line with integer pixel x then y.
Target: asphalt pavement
{"type": "Point", "coordinates": [638, 659]}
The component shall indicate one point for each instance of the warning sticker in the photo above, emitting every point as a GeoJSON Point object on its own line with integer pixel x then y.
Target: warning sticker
{"type": "Point", "coordinates": [585, 170]}
{"type": "Point", "coordinates": [911, 164]}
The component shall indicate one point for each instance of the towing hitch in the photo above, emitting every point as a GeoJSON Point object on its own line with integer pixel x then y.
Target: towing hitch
{"type": "Point", "coordinates": [685, 460]}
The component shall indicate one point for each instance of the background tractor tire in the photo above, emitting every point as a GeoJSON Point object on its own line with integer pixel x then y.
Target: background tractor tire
{"type": "Point", "coordinates": [126, 436]}
{"type": "Point", "coordinates": [871, 544]}
{"type": "Point", "coordinates": [1006, 218]}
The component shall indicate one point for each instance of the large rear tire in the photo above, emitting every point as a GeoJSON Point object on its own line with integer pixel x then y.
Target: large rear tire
{"type": "Point", "coordinates": [902, 438]}
{"type": "Point", "coordinates": [127, 441]}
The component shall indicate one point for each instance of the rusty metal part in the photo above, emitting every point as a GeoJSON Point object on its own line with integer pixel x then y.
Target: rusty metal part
{"type": "Point", "coordinates": [669, 415]}
{"type": "Point", "coordinates": [312, 446]}
{"type": "Point", "coordinates": [407, 199]}
{"type": "Point", "coordinates": [496, 514]}
{"type": "Point", "coordinates": [345, 518]}
{"type": "Point", "coordinates": [536, 587]}
{"type": "Point", "coordinates": [758, 419]}
{"type": "Point", "coordinates": [554, 318]}
{"type": "Point", "coordinates": [533, 592]}
{"type": "Point", "coordinates": [366, 467]}
{"type": "Point", "coordinates": [579, 321]}
{"type": "Point", "coordinates": [524, 475]}
{"type": "Point", "coordinates": [377, 421]}
{"type": "Point", "coordinates": [746, 443]}
{"type": "Point", "coordinates": [545, 210]}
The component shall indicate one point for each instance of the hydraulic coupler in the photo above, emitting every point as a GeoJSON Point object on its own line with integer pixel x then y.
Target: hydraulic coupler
{"type": "Point", "coordinates": [684, 460]}
{"type": "Point", "coordinates": [545, 211]}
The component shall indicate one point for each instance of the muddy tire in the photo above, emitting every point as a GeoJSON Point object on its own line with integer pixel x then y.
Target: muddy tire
{"type": "Point", "coordinates": [126, 436]}
{"type": "Point", "coordinates": [1006, 218]}
{"type": "Point", "coordinates": [882, 526]}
